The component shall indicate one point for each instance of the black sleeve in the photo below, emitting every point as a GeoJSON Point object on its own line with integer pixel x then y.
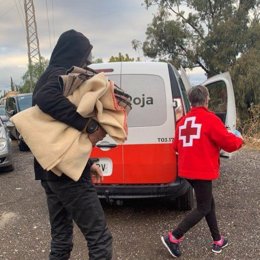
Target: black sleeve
{"type": "Point", "coordinates": [49, 97]}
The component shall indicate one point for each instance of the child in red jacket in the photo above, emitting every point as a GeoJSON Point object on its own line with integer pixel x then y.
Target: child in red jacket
{"type": "Point", "coordinates": [199, 137]}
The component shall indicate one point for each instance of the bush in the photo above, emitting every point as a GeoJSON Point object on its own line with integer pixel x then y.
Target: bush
{"type": "Point", "coordinates": [251, 127]}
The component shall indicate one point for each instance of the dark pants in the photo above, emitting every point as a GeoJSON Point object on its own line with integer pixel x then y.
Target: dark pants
{"type": "Point", "coordinates": [205, 208]}
{"type": "Point", "coordinates": [70, 201]}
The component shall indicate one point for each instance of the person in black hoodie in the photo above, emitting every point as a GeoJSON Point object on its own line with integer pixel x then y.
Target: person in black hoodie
{"type": "Point", "coordinates": [68, 200]}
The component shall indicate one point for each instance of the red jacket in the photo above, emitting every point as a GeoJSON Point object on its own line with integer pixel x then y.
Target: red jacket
{"type": "Point", "coordinates": [198, 139]}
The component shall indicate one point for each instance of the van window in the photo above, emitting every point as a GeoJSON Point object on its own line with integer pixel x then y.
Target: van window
{"type": "Point", "coordinates": [148, 99]}
{"type": "Point", "coordinates": [178, 93]}
{"type": "Point", "coordinates": [115, 78]}
{"type": "Point", "coordinates": [218, 99]}
{"type": "Point", "coordinates": [184, 94]}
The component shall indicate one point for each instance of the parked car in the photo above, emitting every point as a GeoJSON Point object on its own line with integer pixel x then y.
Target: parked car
{"type": "Point", "coordinates": [14, 105]}
{"type": "Point", "coordinates": [6, 163]}
{"type": "Point", "coordinates": [3, 115]}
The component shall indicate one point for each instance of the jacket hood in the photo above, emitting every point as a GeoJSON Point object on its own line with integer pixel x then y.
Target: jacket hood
{"type": "Point", "coordinates": [72, 49]}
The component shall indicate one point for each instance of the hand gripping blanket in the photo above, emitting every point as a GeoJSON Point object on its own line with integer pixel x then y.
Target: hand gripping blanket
{"type": "Point", "coordinates": [63, 149]}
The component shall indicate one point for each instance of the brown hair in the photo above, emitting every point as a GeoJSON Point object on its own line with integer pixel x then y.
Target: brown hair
{"type": "Point", "coordinates": [198, 96]}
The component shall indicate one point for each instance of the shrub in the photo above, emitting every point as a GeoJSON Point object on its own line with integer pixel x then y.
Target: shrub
{"type": "Point", "coordinates": [251, 127]}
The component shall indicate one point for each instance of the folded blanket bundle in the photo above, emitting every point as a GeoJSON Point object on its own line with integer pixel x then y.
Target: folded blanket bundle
{"type": "Point", "coordinates": [61, 148]}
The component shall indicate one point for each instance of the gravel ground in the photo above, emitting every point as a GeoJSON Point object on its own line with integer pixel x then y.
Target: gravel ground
{"type": "Point", "coordinates": [136, 226]}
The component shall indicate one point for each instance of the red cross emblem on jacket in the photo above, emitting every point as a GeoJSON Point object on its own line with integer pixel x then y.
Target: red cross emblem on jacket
{"type": "Point", "coordinates": [189, 131]}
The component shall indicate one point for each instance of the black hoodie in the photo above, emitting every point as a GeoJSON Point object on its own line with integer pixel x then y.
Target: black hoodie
{"type": "Point", "coordinates": [72, 49]}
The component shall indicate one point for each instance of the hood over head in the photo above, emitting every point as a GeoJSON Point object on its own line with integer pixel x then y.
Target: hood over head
{"type": "Point", "coordinates": [72, 49]}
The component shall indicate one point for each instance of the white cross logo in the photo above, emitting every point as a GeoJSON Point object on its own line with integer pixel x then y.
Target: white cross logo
{"type": "Point", "coordinates": [189, 131]}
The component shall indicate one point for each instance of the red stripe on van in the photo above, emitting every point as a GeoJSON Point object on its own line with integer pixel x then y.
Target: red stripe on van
{"type": "Point", "coordinates": [140, 164]}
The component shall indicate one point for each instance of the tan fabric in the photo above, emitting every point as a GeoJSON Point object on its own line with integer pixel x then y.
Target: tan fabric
{"type": "Point", "coordinates": [63, 149]}
{"type": "Point", "coordinates": [72, 81]}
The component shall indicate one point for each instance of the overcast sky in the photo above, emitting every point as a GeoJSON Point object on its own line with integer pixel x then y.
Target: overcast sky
{"type": "Point", "coordinates": [110, 25]}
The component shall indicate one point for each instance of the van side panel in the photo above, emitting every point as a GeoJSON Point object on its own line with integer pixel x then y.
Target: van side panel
{"type": "Point", "coordinates": [148, 156]}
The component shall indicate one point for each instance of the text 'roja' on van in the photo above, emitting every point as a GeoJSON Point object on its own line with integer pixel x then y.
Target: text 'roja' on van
{"type": "Point", "coordinates": [145, 165]}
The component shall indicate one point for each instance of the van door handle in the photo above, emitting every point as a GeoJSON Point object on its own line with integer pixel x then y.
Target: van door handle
{"type": "Point", "coordinates": [106, 145]}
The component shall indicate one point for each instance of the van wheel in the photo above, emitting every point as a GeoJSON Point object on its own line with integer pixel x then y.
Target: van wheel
{"type": "Point", "coordinates": [186, 201]}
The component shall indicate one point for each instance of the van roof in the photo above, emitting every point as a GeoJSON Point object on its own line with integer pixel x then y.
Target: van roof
{"type": "Point", "coordinates": [11, 94]}
{"type": "Point", "coordinates": [24, 94]}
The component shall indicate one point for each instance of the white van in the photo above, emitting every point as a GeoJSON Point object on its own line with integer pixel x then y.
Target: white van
{"type": "Point", "coordinates": [145, 165]}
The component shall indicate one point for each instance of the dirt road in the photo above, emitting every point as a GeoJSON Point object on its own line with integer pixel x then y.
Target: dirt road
{"type": "Point", "coordinates": [136, 227]}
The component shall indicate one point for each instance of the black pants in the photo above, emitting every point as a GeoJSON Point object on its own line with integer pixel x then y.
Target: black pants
{"type": "Point", "coordinates": [205, 208]}
{"type": "Point", "coordinates": [70, 201]}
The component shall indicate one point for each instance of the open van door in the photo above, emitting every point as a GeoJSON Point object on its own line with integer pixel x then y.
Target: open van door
{"type": "Point", "coordinates": [185, 79]}
{"type": "Point", "coordinates": [222, 100]}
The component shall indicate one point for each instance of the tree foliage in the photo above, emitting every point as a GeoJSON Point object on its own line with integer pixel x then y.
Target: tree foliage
{"type": "Point", "coordinates": [13, 86]}
{"type": "Point", "coordinates": [216, 35]}
{"type": "Point", "coordinates": [120, 57]}
{"type": "Point", "coordinates": [36, 69]}
{"type": "Point", "coordinates": [206, 33]}
{"type": "Point", "coordinates": [97, 60]}
{"type": "Point", "coordinates": [246, 75]}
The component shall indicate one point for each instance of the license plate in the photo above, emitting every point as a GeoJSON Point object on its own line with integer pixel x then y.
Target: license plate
{"type": "Point", "coordinates": [106, 166]}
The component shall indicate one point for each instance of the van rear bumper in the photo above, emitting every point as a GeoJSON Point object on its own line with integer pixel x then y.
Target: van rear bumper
{"type": "Point", "coordinates": [131, 191]}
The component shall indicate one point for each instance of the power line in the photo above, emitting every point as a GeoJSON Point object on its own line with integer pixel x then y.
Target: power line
{"type": "Point", "coordinates": [48, 22]}
{"type": "Point", "coordinates": [20, 13]}
{"type": "Point", "coordinates": [10, 8]}
{"type": "Point", "coordinates": [53, 24]}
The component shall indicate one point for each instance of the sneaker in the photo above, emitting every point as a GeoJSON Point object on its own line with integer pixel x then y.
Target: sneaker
{"type": "Point", "coordinates": [218, 245]}
{"type": "Point", "coordinates": [172, 244]}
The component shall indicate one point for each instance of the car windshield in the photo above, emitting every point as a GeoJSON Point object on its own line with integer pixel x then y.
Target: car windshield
{"type": "Point", "coordinates": [24, 102]}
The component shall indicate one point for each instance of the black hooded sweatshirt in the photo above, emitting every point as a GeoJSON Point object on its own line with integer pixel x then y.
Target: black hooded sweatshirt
{"type": "Point", "coordinates": [72, 49]}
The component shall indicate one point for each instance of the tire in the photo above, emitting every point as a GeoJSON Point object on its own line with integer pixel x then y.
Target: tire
{"type": "Point", "coordinates": [186, 201]}
{"type": "Point", "coordinates": [23, 147]}
{"type": "Point", "coordinates": [9, 168]}
{"type": "Point", "coordinates": [12, 137]}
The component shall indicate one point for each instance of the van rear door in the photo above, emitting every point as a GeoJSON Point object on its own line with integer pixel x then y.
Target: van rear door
{"type": "Point", "coordinates": [185, 79]}
{"type": "Point", "coordinates": [222, 101]}
{"type": "Point", "coordinates": [107, 153]}
{"type": "Point", "coordinates": [148, 155]}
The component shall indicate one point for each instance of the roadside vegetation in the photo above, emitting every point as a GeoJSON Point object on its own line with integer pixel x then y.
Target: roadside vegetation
{"type": "Point", "coordinates": [251, 128]}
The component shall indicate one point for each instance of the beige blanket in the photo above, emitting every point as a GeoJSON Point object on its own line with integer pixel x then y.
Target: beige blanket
{"type": "Point", "coordinates": [61, 148]}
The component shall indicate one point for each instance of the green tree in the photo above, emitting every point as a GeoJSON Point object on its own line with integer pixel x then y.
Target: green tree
{"type": "Point", "coordinates": [216, 35]}
{"type": "Point", "coordinates": [137, 45]}
{"type": "Point", "coordinates": [36, 70]}
{"type": "Point", "coordinates": [246, 73]}
{"type": "Point", "coordinates": [97, 60]}
{"type": "Point", "coordinates": [120, 57]}
{"type": "Point", "coordinates": [13, 86]}
{"type": "Point", "coordinates": [207, 33]}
